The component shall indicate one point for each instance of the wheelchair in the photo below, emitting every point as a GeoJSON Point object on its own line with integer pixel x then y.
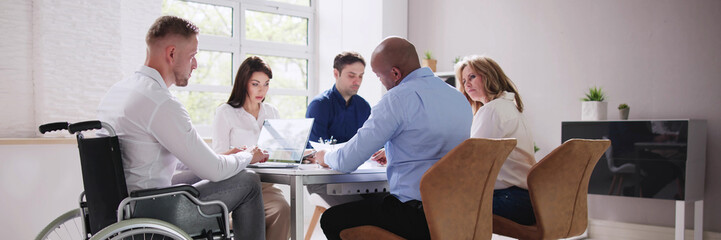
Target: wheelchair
{"type": "Point", "coordinates": [106, 209]}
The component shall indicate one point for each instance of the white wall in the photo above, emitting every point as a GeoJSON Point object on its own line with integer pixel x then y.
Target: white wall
{"type": "Point", "coordinates": [357, 25]}
{"type": "Point", "coordinates": [59, 58]}
{"type": "Point", "coordinates": [37, 184]}
{"type": "Point", "coordinates": [663, 58]}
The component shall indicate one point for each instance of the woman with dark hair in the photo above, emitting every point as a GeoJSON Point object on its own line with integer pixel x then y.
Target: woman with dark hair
{"type": "Point", "coordinates": [238, 123]}
{"type": "Point", "coordinates": [498, 113]}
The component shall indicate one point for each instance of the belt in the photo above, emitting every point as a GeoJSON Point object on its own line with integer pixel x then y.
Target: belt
{"type": "Point", "coordinates": [415, 203]}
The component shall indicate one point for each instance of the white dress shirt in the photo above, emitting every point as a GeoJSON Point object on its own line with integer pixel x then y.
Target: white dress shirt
{"type": "Point", "coordinates": [418, 121]}
{"type": "Point", "coordinates": [500, 118]}
{"type": "Point", "coordinates": [155, 133]}
{"type": "Point", "coordinates": [236, 127]}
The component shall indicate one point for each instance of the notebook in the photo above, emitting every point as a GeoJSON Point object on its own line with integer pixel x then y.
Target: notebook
{"type": "Point", "coordinates": [285, 140]}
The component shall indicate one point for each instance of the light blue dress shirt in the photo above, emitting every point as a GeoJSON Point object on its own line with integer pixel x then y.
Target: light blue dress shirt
{"type": "Point", "coordinates": [418, 122]}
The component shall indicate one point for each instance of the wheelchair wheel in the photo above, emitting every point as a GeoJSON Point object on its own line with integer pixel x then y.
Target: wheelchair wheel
{"type": "Point", "coordinates": [67, 226]}
{"type": "Point", "coordinates": [141, 228]}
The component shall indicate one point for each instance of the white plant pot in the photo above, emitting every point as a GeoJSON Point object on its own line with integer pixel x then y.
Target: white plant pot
{"type": "Point", "coordinates": [592, 110]}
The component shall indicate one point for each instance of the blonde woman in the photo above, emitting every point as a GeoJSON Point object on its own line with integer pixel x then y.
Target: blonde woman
{"type": "Point", "coordinates": [498, 113]}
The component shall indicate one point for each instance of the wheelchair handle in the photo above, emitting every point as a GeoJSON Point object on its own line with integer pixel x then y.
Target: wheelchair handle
{"type": "Point", "coordinates": [90, 125]}
{"type": "Point", "coordinates": [56, 126]}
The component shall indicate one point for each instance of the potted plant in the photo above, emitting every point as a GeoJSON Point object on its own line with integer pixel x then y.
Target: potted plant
{"type": "Point", "coordinates": [593, 106]}
{"type": "Point", "coordinates": [456, 60]}
{"type": "Point", "coordinates": [623, 110]}
{"type": "Point", "coordinates": [428, 61]}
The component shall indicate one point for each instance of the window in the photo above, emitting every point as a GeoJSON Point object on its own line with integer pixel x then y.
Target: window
{"type": "Point", "coordinates": [279, 31]}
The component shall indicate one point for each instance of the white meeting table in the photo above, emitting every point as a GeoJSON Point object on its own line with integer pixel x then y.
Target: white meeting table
{"type": "Point", "coordinates": [305, 175]}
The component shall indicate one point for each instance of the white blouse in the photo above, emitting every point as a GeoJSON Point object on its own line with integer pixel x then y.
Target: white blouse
{"type": "Point", "coordinates": [500, 118]}
{"type": "Point", "coordinates": [236, 127]}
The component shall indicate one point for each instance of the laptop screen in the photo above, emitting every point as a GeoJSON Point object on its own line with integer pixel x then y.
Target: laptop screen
{"type": "Point", "coordinates": [285, 139]}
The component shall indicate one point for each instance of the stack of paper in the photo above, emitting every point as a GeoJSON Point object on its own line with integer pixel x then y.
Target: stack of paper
{"type": "Point", "coordinates": [323, 146]}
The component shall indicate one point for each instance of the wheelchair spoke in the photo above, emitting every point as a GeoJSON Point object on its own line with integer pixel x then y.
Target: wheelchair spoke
{"type": "Point", "coordinates": [66, 229]}
{"type": "Point", "coordinates": [76, 226]}
{"type": "Point", "coordinates": [56, 234]}
{"type": "Point", "coordinates": [62, 228]}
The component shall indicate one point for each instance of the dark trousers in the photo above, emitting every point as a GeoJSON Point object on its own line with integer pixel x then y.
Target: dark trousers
{"type": "Point", "coordinates": [514, 204]}
{"type": "Point", "coordinates": [404, 219]}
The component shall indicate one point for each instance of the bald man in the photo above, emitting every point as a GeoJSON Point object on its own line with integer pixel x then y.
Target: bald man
{"type": "Point", "coordinates": [155, 131]}
{"type": "Point", "coordinates": [418, 121]}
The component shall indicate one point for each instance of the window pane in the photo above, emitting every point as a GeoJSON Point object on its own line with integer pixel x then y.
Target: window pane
{"type": "Point", "coordinates": [214, 68]}
{"type": "Point", "coordinates": [201, 105]}
{"type": "Point", "coordinates": [296, 2]}
{"type": "Point", "coordinates": [289, 106]}
{"type": "Point", "coordinates": [211, 19]}
{"type": "Point", "coordinates": [271, 27]}
{"type": "Point", "coordinates": [289, 73]}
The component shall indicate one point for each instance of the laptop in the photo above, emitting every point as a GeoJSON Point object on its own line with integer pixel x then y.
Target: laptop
{"type": "Point", "coordinates": [285, 140]}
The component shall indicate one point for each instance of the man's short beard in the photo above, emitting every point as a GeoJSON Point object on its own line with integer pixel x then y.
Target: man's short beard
{"type": "Point", "coordinates": [181, 81]}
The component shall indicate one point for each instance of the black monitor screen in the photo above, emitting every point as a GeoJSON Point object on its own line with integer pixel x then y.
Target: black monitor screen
{"type": "Point", "coordinates": [645, 159]}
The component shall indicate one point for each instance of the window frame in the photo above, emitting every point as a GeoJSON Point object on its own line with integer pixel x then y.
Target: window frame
{"type": "Point", "coordinates": [240, 47]}
{"type": "Point", "coordinates": [255, 47]}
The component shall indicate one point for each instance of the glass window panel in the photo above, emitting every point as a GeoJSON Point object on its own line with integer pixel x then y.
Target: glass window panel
{"type": "Point", "coordinates": [289, 106]}
{"type": "Point", "coordinates": [211, 19]}
{"type": "Point", "coordinates": [279, 28]}
{"type": "Point", "coordinates": [201, 105]}
{"type": "Point", "coordinates": [295, 2]}
{"type": "Point", "coordinates": [214, 68]}
{"type": "Point", "coordinates": [288, 73]}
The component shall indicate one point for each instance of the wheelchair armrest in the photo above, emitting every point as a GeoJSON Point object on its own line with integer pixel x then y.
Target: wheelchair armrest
{"type": "Point", "coordinates": [155, 191]}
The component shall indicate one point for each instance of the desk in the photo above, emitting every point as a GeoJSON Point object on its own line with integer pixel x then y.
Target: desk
{"type": "Point", "coordinates": [297, 177]}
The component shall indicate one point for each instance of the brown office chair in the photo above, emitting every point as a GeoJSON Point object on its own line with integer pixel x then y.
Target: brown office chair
{"type": "Point", "coordinates": [457, 192]}
{"type": "Point", "coordinates": [320, 207]}
{"type": "Point", "coordinates": [558, 187]}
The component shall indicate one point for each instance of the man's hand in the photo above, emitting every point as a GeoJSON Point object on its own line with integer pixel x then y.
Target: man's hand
{"type": "Point", "coordinates": [380, 157]}
{"type": "Point", "coordinates": [319, 158]}
{"type": "Point", "coordinates": [234, 150]}
{"type": "Point", "coordinates": [309, 156]}
{"type": "Point", "coordinates": [258, 155]}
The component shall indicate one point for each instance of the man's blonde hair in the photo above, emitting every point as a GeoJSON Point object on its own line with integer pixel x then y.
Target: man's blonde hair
{"type": "Point", "coordinates": [170, 25]}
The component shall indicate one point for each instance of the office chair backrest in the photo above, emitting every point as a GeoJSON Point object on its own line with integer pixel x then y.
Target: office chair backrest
{"type": "Point", "coordinates": [103, 177]}
{"type": "Point", "coordinates": [558, 185]}
{"type": "Point", "coordinates": [457, 190]}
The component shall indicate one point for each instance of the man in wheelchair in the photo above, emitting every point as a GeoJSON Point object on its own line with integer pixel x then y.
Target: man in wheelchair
{"type": "Point", "coordinates": [155, 132]}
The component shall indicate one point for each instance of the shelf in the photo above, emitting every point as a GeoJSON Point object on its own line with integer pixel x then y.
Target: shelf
{"type": "Point", "coordinates": [445, 74]}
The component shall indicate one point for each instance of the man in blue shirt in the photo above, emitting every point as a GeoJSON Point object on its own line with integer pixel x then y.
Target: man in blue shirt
{"type": "Point", "coordinates": [339, 112]}
{"type": "Point", "coordinates": [419, 120]}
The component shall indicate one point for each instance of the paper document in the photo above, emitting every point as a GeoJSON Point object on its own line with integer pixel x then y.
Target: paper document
{"type": "Point", "coordinates": [323, 146]}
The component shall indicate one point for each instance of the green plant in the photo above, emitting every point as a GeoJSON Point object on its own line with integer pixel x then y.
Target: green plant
{"type": "Point", "coordinates": [457, 59]}
{"type": "Point", "coordinates": [622, 106]}
{"type": "Point", "coordinates": [428, 55]}
{"type": "Point", "coordinates": [595, 94]}
{"type": "Point", "coordinates": [535, 148]}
